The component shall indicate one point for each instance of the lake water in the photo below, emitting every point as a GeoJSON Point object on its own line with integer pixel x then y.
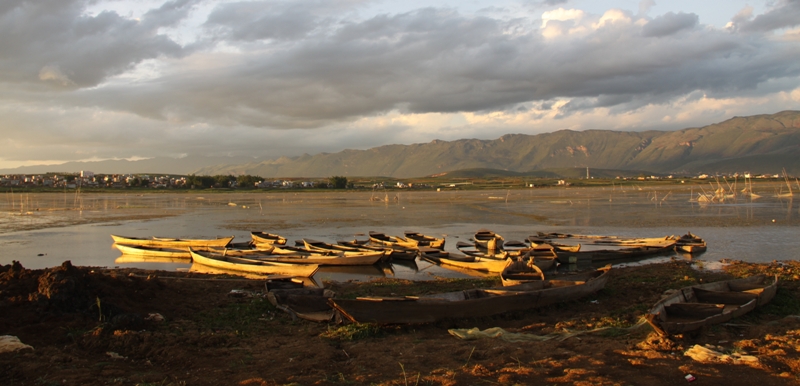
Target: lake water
{"type": "Point", "coordinates": [44, 230]}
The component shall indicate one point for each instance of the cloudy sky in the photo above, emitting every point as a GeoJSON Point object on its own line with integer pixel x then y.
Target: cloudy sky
{"type": "Point", "coordinates": [132, 79]}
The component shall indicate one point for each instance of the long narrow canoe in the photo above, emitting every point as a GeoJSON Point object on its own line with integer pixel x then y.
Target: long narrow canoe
{"type": "Point", "coordinates": [163, 242]}
{"type": "Point", "coordinates": [344, 258]}
{"type": "Point", "coordinates": [252, 266]}
{"type": "Point", "coordinates": [143, 252]}
{"type": "Point", "coordinates": [691, 308]}
{"type": "Point", "coordinates": [393, 253]}
{"type": "Point", "coordinates": [607, 254]}
{"type": "Point", "coordinates": [468, 303]}
{"type": "Point", "coordinates": [484, 265]}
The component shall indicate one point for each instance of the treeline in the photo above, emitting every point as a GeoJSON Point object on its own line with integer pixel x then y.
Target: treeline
{"type": "Point", "coordinates": [251, 181]}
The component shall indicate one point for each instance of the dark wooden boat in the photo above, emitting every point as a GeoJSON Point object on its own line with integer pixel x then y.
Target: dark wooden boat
{"type": "Point", "coordinates": [690, 243]}
{"type": "Point", "coordinates": [607, 254]}
{"type": "Point", "coordinates": [483, 265]}
{"type": "Point", "coordinates": [487, 239]}
{"type": "Point", "coordinates": [470, 303]}
{"type": "Point", "coordinates": [424, 240]}
{"type": "Point", "coordinates": [691, 308]}
{"type": "Point", "coordinates": [520, 271]}
{"type": "Point", "coordinates": [244, 264]}
{"type": "Point", "coordinates": [163, 242]}
{"type": "Point", "coordinates": [304, 303]}
{"type": "Point", "coordinates": [260, 238]}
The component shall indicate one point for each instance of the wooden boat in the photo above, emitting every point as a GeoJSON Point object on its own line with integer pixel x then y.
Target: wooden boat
{"type": "Point", "coordinates": [259, 238]}
{"type": "Point", "coordinates": [154, 252]}
{"type": "Point", "coordinates": [484, 265]}
{"type": "Point", "coordinates": [625, 252]}
{"type": "Point", "coordinates": [470, 303]}
{"type": "Point", "coordinates": [393, 253]}
{"type": "Point", "coordinates": [392, 241]}
{"type": "Point", "coordinates": [427, 252]}
{"type": "Point", "coordinates": [322, 259]}
{"type": "Point", "coordinates": [425, 241]}
{"type": "Point", "coordinates": [243, 264]}
{"type": "Point", "coordinates": [519, 271]}
{"type": "Point", "coordinates": [487, 239]}
{"type": "Point", "coordinates": [694, 307]}
{"type": "Point", "coordinates": [690, 243]}
{"type": "Point", "coordinates": [133, 259]}
{"type": "Point", "coordinates": [305, 303]}
{"type": "Point", "coordinates": [163, 242]}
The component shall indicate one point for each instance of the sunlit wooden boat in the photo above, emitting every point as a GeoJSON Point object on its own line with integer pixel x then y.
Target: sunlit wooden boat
{"type": "Point", "coordinates": [427, 252]}
{"type": "Point", "coordinates": [260, 238]}
{"type": "Point", "coordinates": [470, 303]}
{"type": "Point", "coordinates": [691, 308]}
{"type": "Point", "coordinates": [484, 265]}
{"type": "Point", "coordinates": [393, 253]}
{"type": "Point", "coordinates": [487, 239]}
{"type": "Point", "coordinates": [163, 242]}
{"type": "Point", "coordinates": [392, 241]}
{"type": "Point", "coordinates": [520, 271]}
{"type": "Point", "coordinates": [244, 264]}
{"type": "Point", "coordinates": [424, 240]}
{"type": "Point", "coordinates": [307, 257]}
{"type": "Point", "coordinates": [134, 259]}
{"type": "Point", "coordinates": [153, 252]}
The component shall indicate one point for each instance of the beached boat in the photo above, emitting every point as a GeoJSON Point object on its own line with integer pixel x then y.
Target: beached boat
{"type": "Point", "coordinates": [427, 252]}
{"type": "Point", "coordinates": [306, 257]}
{"type": "Point", "coordinates": [484, 265]}
{"type": "Point", "coordinates": [694, 307]}
{"type": "Point", "coordinates": [152, 252]}
{"type": "Point", "coordinates": [520, 271]}
{"type": "Point", "coordinates": [305, 303]}
{"type": "Point", "coordinates": [690, 243]}
{"type": "Point", "coordinates": [470, 303]}
{"type": "Point", "coordinates": [163, 242]}
{"type": "Point", "coordinates": [392, 241]}
{"type": "Point", "coordinates": [393, 253]}
{"type": "Point", "coordinates": [487, 239]}
{"type": "Point", "coordinates": [244, 264]}
{"type": "Point", "coordinates": [260, 238]}
{"type": "Point", "coordinates": [619, 253]}
{"type": "Point", "coordinates": [424, 240]}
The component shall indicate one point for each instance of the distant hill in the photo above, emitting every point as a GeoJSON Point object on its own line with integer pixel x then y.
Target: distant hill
{"type": "Point", "coordinates": [758, 144]}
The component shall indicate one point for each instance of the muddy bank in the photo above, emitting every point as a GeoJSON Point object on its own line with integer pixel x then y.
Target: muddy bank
{"type": "Point", "coordinates": [92, 326]}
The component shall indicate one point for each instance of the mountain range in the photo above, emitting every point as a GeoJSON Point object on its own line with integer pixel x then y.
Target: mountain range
{"type": "Point", "coordinates": [758, 144]}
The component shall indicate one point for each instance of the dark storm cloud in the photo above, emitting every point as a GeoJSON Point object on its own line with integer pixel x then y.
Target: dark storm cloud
{"type": "Point", "coordinates": [53, 41]}
{"type": "Point", "coordinates": [669, 24]}
{"type": "Point", "coordinates": [320, 71]}
{"type": "Point", "coordinates": [786, 14]}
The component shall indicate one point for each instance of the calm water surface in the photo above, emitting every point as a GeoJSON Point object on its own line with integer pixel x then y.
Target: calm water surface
{"type": "Point", "coordinates": [43, 230]}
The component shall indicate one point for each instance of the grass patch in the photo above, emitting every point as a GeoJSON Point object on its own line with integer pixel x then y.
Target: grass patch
{"type": "Point", "coordinates": [239, 318]}
{"type": "Point", "coordinates": [400, 287]}
{"type": "Point", "coordinates": [354, 331]}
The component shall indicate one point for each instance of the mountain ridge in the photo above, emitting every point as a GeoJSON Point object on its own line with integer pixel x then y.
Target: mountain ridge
{"type": "Point", "coordinates": [764, 143]}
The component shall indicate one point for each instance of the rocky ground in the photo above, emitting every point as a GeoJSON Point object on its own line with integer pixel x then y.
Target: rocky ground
{"type": "Point", "coordinates": [92, 326]}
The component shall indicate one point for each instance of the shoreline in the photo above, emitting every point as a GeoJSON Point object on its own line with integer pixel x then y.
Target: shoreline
{"type": "Point", "coordinates": [215, 335]}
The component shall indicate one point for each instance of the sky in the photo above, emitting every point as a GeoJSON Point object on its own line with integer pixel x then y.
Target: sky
{"type": "Point", "coordinates": [84, 80]}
